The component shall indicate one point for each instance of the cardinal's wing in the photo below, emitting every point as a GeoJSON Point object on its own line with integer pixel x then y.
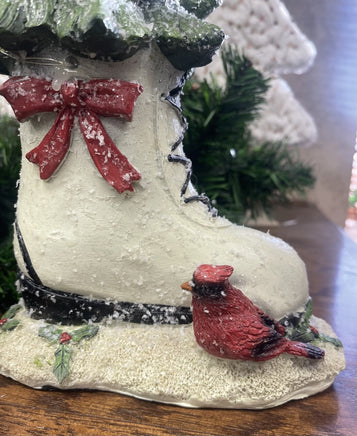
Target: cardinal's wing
{"type": "Point", "coordinates": [247, 330]}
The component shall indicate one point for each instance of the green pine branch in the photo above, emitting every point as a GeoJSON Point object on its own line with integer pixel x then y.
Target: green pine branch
{"type": "Point", "coordinates": [10, 157]}
{"type": "Point", "coordinates": [244, 179]}
{"type": "Point", "coordinates": [8, 271]}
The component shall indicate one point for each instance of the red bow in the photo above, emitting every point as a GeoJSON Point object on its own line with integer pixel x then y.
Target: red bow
{"type": "Point", "coordinates": [109, 98]}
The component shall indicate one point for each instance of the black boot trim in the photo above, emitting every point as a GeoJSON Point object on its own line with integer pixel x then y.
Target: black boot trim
{"type": "Point", "coordinates": [69, 308]}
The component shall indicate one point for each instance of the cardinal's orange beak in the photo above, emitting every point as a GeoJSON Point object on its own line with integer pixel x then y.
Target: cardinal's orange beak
{"type": "Point", "coordinates": [187, 287]}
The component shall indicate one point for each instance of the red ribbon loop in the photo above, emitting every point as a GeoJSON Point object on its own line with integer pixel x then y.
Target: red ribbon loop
{"type": "Point", "coordinates": [85, 100]}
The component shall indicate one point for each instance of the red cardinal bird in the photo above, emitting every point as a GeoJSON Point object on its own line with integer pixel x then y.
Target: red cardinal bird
{"type": "Point", "coordinates": [228, 325]}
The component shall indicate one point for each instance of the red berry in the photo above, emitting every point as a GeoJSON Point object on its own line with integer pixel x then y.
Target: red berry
{"type": "Point", "coordinates": [65, 337]}
{"type": "Point", "coordinates": [314, 330]}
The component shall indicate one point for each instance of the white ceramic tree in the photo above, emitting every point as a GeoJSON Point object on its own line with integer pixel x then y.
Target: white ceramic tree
{"type": "Point", "coordinates": [264, 31]}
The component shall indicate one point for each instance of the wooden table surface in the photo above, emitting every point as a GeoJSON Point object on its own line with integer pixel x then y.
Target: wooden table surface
{"type": "Point", "coordinates": [331, 259]}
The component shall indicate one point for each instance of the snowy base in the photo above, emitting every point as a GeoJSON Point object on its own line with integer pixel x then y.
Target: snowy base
{"type": "Point", "coordinates": [164, 363]}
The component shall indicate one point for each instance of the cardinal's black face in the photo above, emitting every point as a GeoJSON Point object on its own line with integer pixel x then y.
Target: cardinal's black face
{"type": "Point", "coordinates": [208, 290]}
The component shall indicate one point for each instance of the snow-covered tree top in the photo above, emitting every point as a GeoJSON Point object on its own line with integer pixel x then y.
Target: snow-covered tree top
{"type": "Point", "coordinates": [111, 29]}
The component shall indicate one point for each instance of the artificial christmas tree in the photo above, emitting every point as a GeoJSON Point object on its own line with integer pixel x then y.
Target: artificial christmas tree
{"type": "Point", "coordinates": [243, 176]}
{"type": "Point", "coordinates": [105, 238]}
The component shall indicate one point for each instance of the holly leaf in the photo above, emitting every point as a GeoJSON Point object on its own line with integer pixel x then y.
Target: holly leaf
{"type": "Point", "coordinates": [308, 313]}
{"type": "Point", "coordinates": [302, 334]}
{"type": "Point", "coordinates": [335, 341]}
{"type": "Point", "coordinates": [298, 328]}
{"type": "Point", "coordinates": [87, 331]}
{"type": "Point", "coordinates": [62, 359]}
{"type": "Point", "coordinates": [10, 324]}
{"type": "Point", "coordinates": [50, 332]}
{"type": "Point", "coordinates": [11, 312]}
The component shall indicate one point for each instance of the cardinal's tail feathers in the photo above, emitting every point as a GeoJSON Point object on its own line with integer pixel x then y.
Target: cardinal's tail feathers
{"type": "Point", "coordinates": [305, 350]}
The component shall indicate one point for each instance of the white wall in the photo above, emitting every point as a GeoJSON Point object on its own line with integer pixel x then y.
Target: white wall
{"type": "Point", "coordinates": [328, 91]}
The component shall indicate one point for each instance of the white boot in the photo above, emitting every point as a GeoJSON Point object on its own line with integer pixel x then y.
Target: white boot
{"type": "Point", "coordinates": [83, 237]}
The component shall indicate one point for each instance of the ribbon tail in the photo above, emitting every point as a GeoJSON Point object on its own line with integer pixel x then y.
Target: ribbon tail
{"type": "Point", "coordinates": [112, 165]}
{"type": "Point", "coordinates": [49, 154]}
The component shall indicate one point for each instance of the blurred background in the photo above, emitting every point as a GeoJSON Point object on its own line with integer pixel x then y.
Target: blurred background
{"type": "Point", "coordinates": [328, 90]}
{"type": "Point", "coordinates": [322, 98]}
